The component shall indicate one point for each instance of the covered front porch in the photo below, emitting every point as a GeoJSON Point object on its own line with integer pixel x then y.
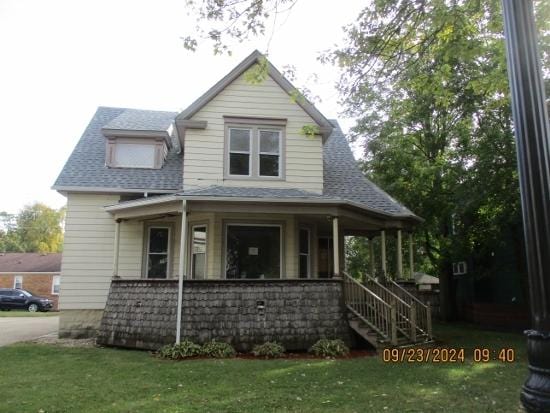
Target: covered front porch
{"type": "Point", "coordinates": [171, 237]}
{"type": "Point", "coordinates": [242, 256]}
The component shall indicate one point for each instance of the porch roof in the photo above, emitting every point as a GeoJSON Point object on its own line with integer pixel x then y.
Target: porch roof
{"type": "Point", "coordinates": [265, 196]}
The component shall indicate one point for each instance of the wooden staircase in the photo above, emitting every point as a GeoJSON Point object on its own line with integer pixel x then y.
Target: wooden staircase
{"type": "Point", "coordinates": [385, 314]}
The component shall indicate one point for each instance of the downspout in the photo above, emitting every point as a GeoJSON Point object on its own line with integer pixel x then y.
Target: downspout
{"type": "Point", "coordinates": [181, 269]}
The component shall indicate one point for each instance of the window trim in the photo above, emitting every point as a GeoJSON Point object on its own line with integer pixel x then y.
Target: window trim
{"type": "Point", "coordinates": [159, 145]}
{"type": "Point", "coordinates": [190, 255]}
{"type": "Point", "coordinates": [280, 225]}
{"type": "Point", "coordinates": [15, 278]}
{"type": "Point", "coordinates": [145, 270]}
{"type": "Point", "coordinates": [54, 278]}
{"type": "Point", "coordinates": [254, 168]}
{"type": "Point", "coordinates": [249, 153]}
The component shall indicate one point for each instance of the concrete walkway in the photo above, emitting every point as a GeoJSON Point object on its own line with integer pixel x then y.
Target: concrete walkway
{"type": "Point", "coordinates": [15, 329]}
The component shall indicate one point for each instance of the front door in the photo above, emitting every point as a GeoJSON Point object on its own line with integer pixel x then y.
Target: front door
{"type": "Point", "coordinates": [253, 251]}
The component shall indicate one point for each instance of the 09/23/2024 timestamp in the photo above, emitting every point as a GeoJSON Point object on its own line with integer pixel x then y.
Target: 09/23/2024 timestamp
{"type": "Point", "coordinates": [447, 355]}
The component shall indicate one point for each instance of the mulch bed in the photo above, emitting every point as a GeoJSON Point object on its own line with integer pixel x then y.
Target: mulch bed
{"type": "Point", "coordinates": [353, 354]}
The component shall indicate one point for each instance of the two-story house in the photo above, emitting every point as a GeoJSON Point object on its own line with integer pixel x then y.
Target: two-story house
{"type": "Point", "coordinates": [225, 221]}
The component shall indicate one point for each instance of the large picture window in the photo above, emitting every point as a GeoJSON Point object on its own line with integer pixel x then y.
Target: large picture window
{"type": "Point", "coordinates": [253, 251]}
{"type": "Point", "coordinates": [158, 246]}
{"type": "Point", "coordinates": [254, 152]}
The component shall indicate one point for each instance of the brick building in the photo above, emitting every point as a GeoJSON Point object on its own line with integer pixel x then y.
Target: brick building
{"type": "Point", "coordinates": [35, 272]}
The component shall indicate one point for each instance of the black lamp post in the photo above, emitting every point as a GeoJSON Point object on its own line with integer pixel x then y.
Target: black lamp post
{"type": "Point", "coordinates": [533, 146]}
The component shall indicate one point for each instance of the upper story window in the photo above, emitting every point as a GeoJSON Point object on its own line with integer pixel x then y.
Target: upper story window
{"type": "Point", "coordinates": [135, 153]}
{"type": "Point", "coordinates": [255, 150]}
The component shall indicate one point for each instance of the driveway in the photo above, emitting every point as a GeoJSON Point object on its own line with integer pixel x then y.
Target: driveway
{"type": "Point", "coordinates": [15, 329]}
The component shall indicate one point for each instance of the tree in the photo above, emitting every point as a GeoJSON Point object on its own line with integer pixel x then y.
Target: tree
{"type": "Point", "coordinates": [426, 81]}
{"type": "Point", "coordinates": [37, 228]}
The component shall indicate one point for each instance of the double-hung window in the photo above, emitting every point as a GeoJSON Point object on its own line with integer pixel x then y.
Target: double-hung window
{"type": "Point", "coordinates": [239, 151]}
{"type": "Point", "coordinates": [18, 282]}
{"type": "Point", "coordinates": [270, 153]}
{"type": "Point", "coordinates": [254, 151]}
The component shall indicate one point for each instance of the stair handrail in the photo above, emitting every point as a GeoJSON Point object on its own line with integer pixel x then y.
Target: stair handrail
{"type": "Point", "coordinates": [412, 296]}
{"type": "Point", "coordinates": [387, 290]}
{"type": "Point", "coordinates": [423, 311]}
{"type": "Point", "coordinates": [382, 317]}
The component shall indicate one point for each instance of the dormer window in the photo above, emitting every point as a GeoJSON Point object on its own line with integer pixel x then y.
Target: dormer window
{"type": "Point", "coordinates": [254, 148]}
{"type": "Point", "coordinates": [135, 153]}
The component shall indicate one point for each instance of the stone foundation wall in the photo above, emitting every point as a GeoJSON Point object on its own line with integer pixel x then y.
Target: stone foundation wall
{"type": "Point", "coordinates": [142, 313]}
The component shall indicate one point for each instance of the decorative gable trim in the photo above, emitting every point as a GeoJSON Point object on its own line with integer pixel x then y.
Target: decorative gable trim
{"type": "Point", "coordinates": [323, 123]}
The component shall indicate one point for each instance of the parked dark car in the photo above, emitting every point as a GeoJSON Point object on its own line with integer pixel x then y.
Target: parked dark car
{"type": "Point", "coordinates": [15, 299]}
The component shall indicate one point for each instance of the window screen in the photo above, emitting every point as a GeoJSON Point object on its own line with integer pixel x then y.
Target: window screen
{"type": "Point", "coordinates": [134, 155]}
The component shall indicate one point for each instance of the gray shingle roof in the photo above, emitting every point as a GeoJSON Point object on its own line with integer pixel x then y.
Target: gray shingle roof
{"type": "Point", "coordinates": [244, 192]}
{"type": "Point", "coordinates": [142, 120]}
{"type": "Point", "coordinates": [86, 168]}
{"type": "Point", "coordinates": [343, 180]}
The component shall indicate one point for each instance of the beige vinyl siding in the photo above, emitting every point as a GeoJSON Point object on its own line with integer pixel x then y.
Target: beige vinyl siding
{"type": "Point", "coordinates": [87, 262]}
{"type": "Point", "coordinates": [204, 149]}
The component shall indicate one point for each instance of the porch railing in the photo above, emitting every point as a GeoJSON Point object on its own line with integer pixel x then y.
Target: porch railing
{"type": "Point", "coordinates": [371, 309]}
{"type": "Point", "coordinates": [423, 311]}
{"type": "Point", "coordinates": [405, 312]}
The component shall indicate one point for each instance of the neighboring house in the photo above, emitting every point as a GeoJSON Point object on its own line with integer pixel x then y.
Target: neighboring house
{"type": "Point", "coordinates": [38, 273]}
{"type": "Point", "coordinates": [235, 200]}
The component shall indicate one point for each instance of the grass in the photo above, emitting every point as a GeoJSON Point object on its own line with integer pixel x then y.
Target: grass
{"type": "Point", "coordinates": [44, 378]}
{"type": "Point", "coordinates": [25, 313]}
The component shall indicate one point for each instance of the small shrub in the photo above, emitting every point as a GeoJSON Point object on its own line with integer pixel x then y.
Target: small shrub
{"type": "Point", "coordinates": [329, 348]}
{"type": "Point", "coordinates": [270, 349]}
{"type": "Point", "coordinates": [180, 351]}
{"type": "Point", "coordinates": [217, 350]}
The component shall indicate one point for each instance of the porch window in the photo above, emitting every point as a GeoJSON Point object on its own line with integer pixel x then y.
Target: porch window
{"type": "Point", "coordinates": [253, 251]}
{"type": "Point", "coordinates": [198, 252]}
{"type": "Point", "coordinates": [157, 252]}
{"type": "Point", "coordinates": [304, 253]}
{"type": "Point", "coordinates": [239, 151]}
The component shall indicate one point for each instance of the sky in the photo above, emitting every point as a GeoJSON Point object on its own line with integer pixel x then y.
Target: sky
{"type": "Point", "coordinates": [60, 60]}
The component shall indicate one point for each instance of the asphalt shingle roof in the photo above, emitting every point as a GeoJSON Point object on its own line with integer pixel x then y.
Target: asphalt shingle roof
{"type": "Point", "coordinates": [244, 192]}
{"type": "Point", "coordinates": [15, 262]}
{"type": "Point", "coordinates": [142, 120]}
{"type": "Point", "coordinates": [343, 180]}
{"type": "Point", "coordinates": [86, 165]}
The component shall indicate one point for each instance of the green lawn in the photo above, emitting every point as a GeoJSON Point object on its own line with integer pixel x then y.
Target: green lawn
{"type": "Point", "coordinates": [25, 313]}
{"type": "Point", "coordinates": [44, 378]}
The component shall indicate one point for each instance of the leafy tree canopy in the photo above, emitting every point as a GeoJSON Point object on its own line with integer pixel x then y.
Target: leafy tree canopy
{"type": "Point", "coordinates": [37, 228]}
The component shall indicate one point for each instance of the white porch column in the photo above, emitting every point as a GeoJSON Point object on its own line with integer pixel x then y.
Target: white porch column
{"type": "Point", "coordinates": [336, 246]}
{"type": "Point", "coordinates": [399, 248]}
{"type": "Point", "coordinates": [383, 252]}
{"type": "Point", "coordinates": [411, 255]}
{"type": "Point", "coordinates": [117, 248]}
{"type": "Point", "coordinates": [181, 267]}
{"type": "Point", "coordinates": [371, 257]}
